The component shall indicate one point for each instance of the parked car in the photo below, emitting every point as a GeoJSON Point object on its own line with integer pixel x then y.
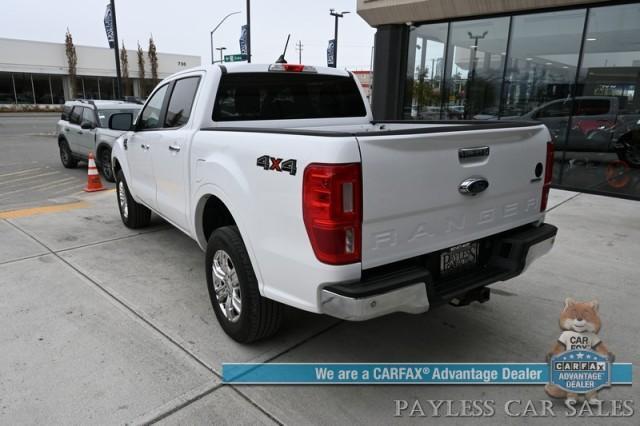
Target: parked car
{"type": "Point", "coordinates": [84, 127]}
{"type": "Point", "coordinates": [298, 197]}
{"type": "Point", "coordinates": [599, 124]}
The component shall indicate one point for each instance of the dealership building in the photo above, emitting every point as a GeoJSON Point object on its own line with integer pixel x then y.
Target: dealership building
{"type": "Point", "coordinates": [572, 64]}
{"type": "Point", "coordinates": [34, 72]}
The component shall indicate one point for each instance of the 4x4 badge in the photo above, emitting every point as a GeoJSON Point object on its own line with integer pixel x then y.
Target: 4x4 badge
{"type": "Point", "coordinates": [272, 163]}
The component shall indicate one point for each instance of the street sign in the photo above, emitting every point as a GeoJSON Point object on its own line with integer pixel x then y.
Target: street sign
{"type": "Point", "coordinates": [235, 58]}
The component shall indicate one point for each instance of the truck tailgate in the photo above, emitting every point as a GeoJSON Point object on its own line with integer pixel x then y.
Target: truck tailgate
{"type": "Point", "coordinates": [411, 199]}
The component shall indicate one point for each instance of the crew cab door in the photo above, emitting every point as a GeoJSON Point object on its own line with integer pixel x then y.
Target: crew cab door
{"type": "Point", "coordinates": [142, 143]}
{"type": "Point", "coordinates": [170, 152]}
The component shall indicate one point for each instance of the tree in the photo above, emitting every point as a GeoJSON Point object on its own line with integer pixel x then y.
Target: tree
{"type": "Point", "coordinates": [72, 61]}
{"type": "Point", "coordinates": [153, 60]}
{"type": "Point", "coordinates": [141, 70]}
{"type": "Point", "coordinates": [124, 63]}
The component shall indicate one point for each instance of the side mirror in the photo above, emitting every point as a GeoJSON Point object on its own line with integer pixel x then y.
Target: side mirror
{"type": "Point", "coordinates": [121, 121]}
{"type": "Point", "coordinates": [86, 125]}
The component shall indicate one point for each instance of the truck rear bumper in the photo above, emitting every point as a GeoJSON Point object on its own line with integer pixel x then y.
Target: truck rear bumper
{"type": "Point", "coordinates": [414, 285]}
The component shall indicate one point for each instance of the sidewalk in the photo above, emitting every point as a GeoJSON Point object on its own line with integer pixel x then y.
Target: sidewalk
{"type": "Point", "coordinates": [102, 324]}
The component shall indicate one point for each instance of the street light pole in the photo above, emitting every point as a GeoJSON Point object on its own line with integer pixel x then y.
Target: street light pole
{"type": "Point", "coordinates": [337, 15]}
{"type": "Point", "coordinates": [220, 49]}
{"type": "Point", "coordinates": [248, 31]}
{"type": "Point", "coordinates": [214, 30]}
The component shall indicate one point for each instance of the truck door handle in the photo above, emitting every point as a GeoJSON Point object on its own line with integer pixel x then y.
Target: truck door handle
{"type": "Point", "coordinates": [81, 133]}
{"type": "Point", "coordinates": [145, 147]}
{"type": "Point", "coordinates": [174, 148]}
{"type": "Point", "coordinates": [66, 129]}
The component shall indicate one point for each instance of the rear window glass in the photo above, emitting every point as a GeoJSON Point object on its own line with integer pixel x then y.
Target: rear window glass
{"type": "Point", "coordinates": [284, 96]}
{"type": "Point", "coordinates": [76, 115]}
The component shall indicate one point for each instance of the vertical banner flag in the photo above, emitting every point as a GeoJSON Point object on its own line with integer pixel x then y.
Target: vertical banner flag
{"type": "Point", "coordinates": [243, 40]}
{"type": "Point", "coordinates": [108, 26]}
{"type": "Point", "coordinates": [331, 54]}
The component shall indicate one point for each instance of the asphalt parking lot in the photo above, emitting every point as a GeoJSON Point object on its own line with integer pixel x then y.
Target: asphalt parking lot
{"type": "Point", "coordinates": [30, 171]}
{"type": "Point", "coordinates": [102, 324]}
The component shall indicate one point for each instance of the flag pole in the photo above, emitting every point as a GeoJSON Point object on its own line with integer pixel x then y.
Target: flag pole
{"type": "Point", "coordinates": [117, 51]}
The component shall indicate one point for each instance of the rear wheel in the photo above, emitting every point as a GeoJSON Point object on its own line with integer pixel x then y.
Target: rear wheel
{"type": "Point", "coordinates": [242, 312]}
{"type": "Point", "coordinates": [104, 160]}
{"type": "Point", "coordinates": [134, 215]}
{"type": "Point", "coordinates": [66, 156]}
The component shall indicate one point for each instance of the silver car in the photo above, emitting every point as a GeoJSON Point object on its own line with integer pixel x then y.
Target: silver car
{"type": "Point", "coordinates": [84, 128]}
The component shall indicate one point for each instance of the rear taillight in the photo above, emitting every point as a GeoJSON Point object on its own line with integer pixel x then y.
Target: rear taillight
{"type": "Point", "coordinates": [332, 211]}
{"type": "Point", "coordinates": [548, 176]}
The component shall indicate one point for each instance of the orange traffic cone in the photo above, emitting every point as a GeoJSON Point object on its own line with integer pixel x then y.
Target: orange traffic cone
{"type": "Point", "coordinates": [93, 178]}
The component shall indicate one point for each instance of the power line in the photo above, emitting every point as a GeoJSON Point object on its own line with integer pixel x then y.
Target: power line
{"type": "Point", "coordinates": [299, 46]}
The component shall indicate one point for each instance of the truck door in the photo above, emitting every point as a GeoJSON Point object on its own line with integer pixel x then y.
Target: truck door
{"type": "Point", "coordinates": [142, 143]}
{"type": "Point", "coordinates": [171, 154]}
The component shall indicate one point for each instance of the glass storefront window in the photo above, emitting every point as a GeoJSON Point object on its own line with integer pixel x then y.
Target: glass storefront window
{"type": "Point", "coordinates": [42, 88]}
{"type": "Point", "coordinates": [602, 152]}
{"type": "Point", "coordinates": [57, 89]}
{"type": "Point", "coordinates": [541, 66]}
{"type": "Point", "coordinates": [475, 66]}
{"type": "Point", "coordinates": [107, 88]}
{"type": "Point", "coordinates": [6, 89]}
{"type": "Point", "coordinates": [425, 72]}
{"type": "Point", "coordinates": [91, 89]}
{"type": "Point", "coordinates": [24, 90]}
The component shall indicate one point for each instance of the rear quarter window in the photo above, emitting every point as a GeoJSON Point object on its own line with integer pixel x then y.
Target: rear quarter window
{"type": "Point", "coordinates": [286, 96]}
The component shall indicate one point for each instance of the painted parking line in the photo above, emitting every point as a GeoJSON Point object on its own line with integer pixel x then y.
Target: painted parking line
{"type": "Point", "coordinates": [28, 177]}
{"type": "Point", "coordinates": [57, 208]}
{"type": "Point", "coordinates": [21, 172]}
{"type": "Point", "coordinates": [41, 186]}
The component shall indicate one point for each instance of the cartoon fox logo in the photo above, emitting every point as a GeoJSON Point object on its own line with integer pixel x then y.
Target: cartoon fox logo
{"type": "Point", "coordinates": [580, 322]}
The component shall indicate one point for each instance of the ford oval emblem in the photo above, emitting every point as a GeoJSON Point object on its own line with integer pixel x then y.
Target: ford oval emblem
{"type": "Point", "coordinates": [473, 186]}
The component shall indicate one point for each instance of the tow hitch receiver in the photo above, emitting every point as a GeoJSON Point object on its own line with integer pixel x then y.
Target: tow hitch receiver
{"type": "Point", "coordinates": [480, 294]}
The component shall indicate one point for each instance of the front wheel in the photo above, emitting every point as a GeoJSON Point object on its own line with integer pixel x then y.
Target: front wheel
{"type": "Point", "coordinates": [242, 312]}
{"type": "Point", "coordinates": [134, 215]}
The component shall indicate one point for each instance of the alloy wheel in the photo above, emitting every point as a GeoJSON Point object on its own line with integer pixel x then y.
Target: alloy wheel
{"type": "Point", "coordinates": [227, 286]}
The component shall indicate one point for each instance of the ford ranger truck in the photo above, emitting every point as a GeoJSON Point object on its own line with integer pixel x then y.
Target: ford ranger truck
{"type": "Point", "coordinates": [299, 197]}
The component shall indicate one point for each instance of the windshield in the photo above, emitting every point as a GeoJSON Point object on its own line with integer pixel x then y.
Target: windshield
{"type": "Point", "coordinates": [105, 114]}
{"type": "Point", "coordinates": [285, 96]}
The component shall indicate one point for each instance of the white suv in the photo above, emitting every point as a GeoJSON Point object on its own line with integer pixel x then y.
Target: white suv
{"type": "Point", "coordinates": [84, 128]}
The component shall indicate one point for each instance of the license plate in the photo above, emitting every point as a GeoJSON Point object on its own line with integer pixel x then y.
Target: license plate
{"type": "Point", "coordinates": [459, 258]}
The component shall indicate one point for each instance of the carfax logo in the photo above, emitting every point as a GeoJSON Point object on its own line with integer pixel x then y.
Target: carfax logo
{"type": "Point", "coordinates": [580, 372]}
{"type": "Point", "coordinates": [579, 362]}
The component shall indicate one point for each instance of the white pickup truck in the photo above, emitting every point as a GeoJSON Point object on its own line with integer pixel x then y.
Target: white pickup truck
{"type": "Point", "coordinates": [299, 197]}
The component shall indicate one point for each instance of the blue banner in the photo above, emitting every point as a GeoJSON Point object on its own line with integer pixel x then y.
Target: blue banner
{"type": "Point", "coordinates": [243, 40]}
{"type": "Point", "coordinates": [420, 373]}
{"type": "Point", "coordinates": [108, 26]}
{"type": "Point", "coordinates": [331, 54]}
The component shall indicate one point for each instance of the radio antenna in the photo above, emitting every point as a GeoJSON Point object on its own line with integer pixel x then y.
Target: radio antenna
{"type": "Point", "coordinates": [281, 59]}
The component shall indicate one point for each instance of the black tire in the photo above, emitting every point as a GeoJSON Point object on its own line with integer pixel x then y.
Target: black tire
{"type": "Point", "coordinates": [104, 164]}
{"type": "Point", "coordinates": [258, 317]}
{"type": "Point", "coordinates": [133, 214]}
{"type": "Point", "coordinates": [66, 156]}
{"type": "Point", "coordinates": [631, 153]}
